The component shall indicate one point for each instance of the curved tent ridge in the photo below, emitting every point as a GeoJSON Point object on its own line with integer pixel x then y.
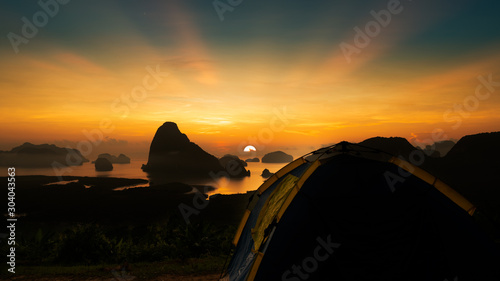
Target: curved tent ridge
{"type": "Point", "coordinates": [283, 207]}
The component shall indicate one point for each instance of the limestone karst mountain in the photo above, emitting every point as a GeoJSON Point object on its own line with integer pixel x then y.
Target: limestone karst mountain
{"type": "Point", "coordinates": [172, 153]}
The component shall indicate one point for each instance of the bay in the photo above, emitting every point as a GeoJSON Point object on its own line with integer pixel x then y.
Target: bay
{"type": "Point", "coordinates": [133, 170]}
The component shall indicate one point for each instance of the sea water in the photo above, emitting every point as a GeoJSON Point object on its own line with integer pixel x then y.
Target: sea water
{"type": "Point", "coordinates": [133, 171]}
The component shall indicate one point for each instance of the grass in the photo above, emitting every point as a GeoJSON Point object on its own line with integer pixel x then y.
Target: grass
{"type": "Point", "coordinates": [141, 270]}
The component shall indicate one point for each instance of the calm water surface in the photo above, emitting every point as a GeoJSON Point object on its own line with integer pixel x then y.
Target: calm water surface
{"type": "Point", "coordinates": [133, 171]}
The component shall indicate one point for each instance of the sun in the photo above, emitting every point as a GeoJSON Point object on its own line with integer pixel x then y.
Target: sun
{"type": "Point", "coordinates": [249, 148]}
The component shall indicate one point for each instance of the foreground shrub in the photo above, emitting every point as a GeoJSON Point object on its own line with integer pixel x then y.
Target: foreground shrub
{"type": "Point", "coordinates": [84, 244]}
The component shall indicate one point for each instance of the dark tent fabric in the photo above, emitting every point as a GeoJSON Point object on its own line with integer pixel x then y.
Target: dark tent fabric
{"type": "Point", "coordinates": [348, 223]}
{"type": "Point", "coordinates": [241, 263]}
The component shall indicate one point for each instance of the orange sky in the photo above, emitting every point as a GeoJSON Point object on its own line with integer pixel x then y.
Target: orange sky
{"type": "Point", "coordinates": [223, 95]}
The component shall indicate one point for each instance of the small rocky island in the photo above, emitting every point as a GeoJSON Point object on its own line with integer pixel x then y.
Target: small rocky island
{"type": "Point", "coordinates": [277, 157]}
{"type": "Point", "coordinates": [234, 166]}
{"type": "Point", "coordinates": [120, 159]}
{"type": "Point", "coordinates": [103, 165]}
{"type": "Point", "coordinates": [266, 174]}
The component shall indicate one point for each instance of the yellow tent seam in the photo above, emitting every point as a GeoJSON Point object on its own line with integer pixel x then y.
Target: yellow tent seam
{"type": "Point", "coordinates": [255, 266]}
{"type": "Point", "coordinates": [293, 192]}
{"type": "Point", "coordinates": [288, 168]}
{"type": "Point", "coordinates": [445, 189]}
{"type": "Point", "coordinates": [243, 222]}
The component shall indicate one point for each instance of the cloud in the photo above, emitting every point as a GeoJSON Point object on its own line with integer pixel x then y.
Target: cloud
{"type": "Point", "coordinates": [113, 141]}
{"type": "Point", "coordinates": [304, 133]}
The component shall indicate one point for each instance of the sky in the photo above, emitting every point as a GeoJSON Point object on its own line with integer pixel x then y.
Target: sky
{"type": "Point", "coordinates": [279, 75]}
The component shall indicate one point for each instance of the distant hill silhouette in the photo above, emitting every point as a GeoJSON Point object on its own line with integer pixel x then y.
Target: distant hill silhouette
{"type": "Point", "coordinates": [172, 153]}
{"type": "Point", "coordinates": [477, 147]}
{"type": "Point", "coordinates": [277, 157]}
{"type": "Point", "coordinates": [439, 149]}
{"type": "Point", "coordinates": [394, 145]}
{"type": "Point", "coordinates": [42, 155]}
{"type": "Point", "coordinates": [121, 159]}
{"type": "Point", "coordinates": [252, 160]}
{"type": "Point", "coordinates": [472, 167]}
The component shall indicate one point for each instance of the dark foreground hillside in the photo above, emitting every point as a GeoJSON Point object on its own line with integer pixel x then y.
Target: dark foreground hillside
{"type": "Point", "coordinates": [86, 225]}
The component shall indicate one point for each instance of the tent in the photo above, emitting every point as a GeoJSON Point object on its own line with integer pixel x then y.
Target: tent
{"type": "Point", "coordinates": [349, 212]}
